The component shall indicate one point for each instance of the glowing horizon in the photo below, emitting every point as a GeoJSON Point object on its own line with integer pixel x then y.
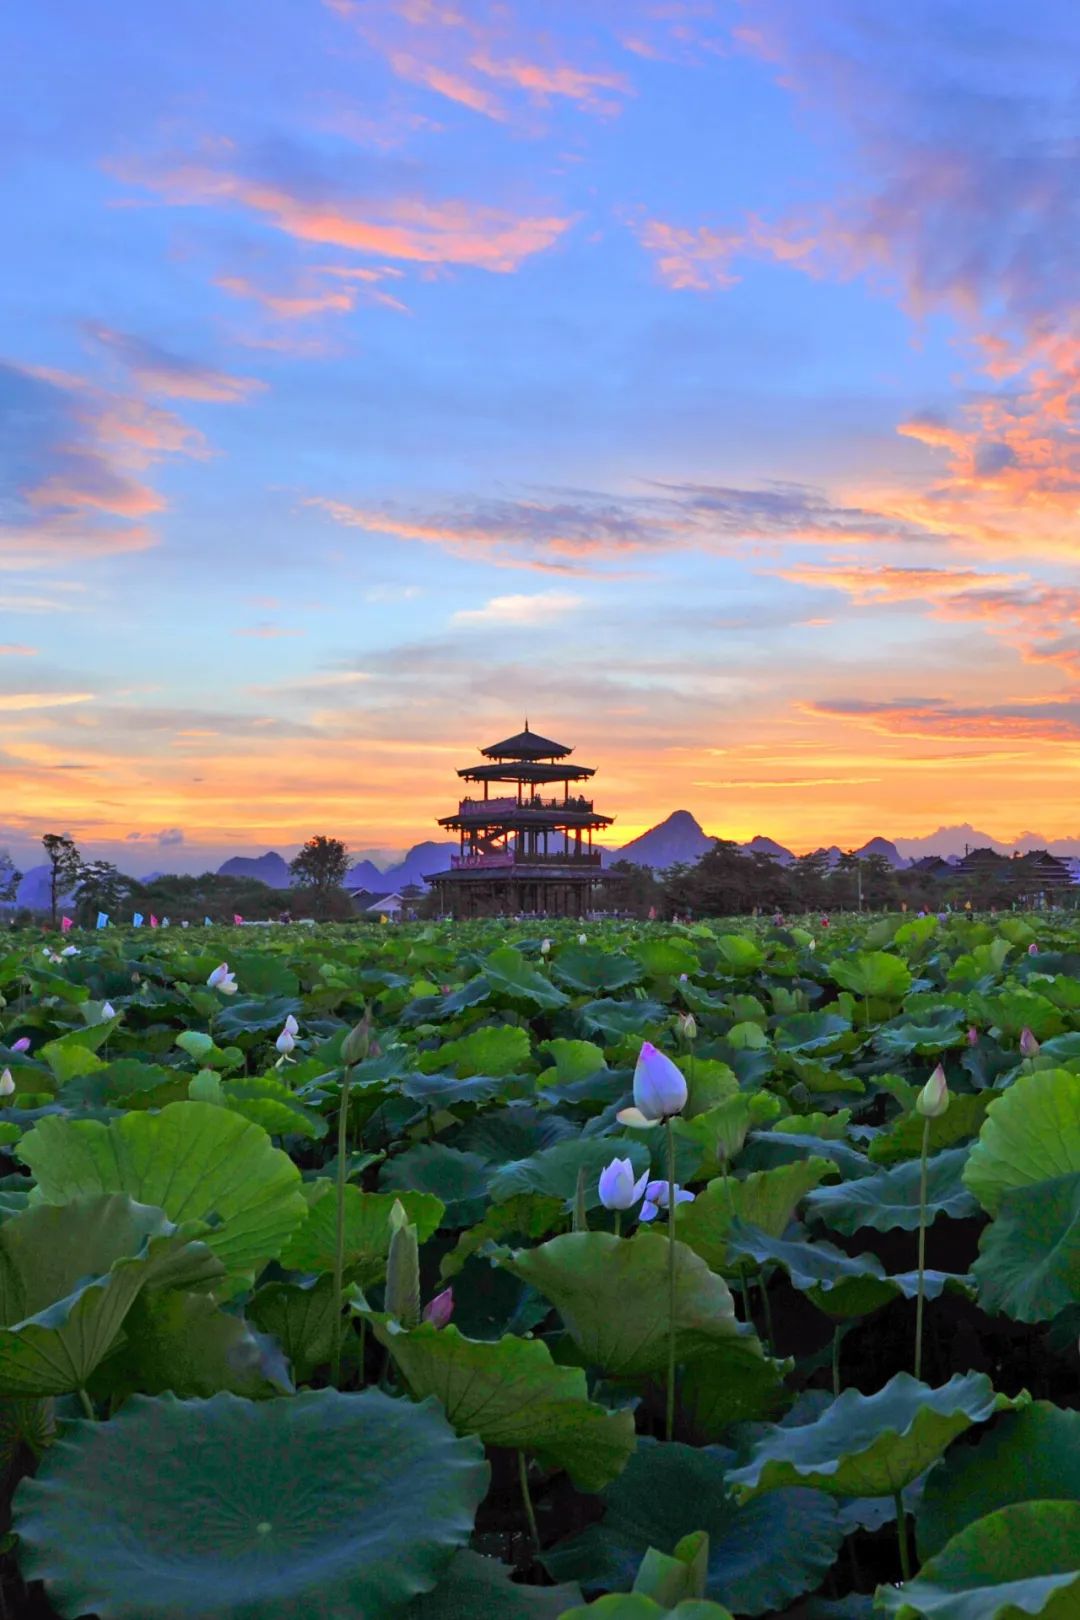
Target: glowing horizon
{"type": "Point", "coordinates": [698, 378]}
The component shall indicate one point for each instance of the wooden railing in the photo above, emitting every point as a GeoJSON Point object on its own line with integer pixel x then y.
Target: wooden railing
{"type": "Point", "coordinates": [505, 806]}
{"type": "Point", "coordinates": [504, 858]}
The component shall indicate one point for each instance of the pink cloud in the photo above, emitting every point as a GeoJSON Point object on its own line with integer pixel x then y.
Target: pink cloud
{"type": "Point", "coordinates": [161, 372]}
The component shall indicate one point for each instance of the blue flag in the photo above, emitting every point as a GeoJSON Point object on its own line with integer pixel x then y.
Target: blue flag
{"type": "Point", "coordinates": [136, 921]}
{"type": "Point", "coordinates": [103, 919]}
{"type": "Point", "coordinates": [207, 923]}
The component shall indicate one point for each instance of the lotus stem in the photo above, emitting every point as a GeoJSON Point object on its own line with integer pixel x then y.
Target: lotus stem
{"type": "Point", "coordinates": [920, 1294]}
{"type": "Point", "coordinates": [618, 1223]}
{"type": "Point", "coordinates": [901, 1535]}
{"type": "Point", "coordinates": [836, 1359]}
{"type": "Point", "coordinates": [339, 1232]}
{"type": "Point", "coordinates": [87, 1404]}
{"type": "Point", "coordinates": [526, 1499]}
{"type": "Point", "coordinates": [669, 1423]}
{"type": "Point", "coordinates": [770, 1338]}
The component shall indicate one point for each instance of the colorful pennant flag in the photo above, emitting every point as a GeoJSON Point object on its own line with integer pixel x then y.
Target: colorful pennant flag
{"type": "Point", "coordinates": [137, 920]}
{"type": "Point", "coordinates": [103, 919]}
{"type": "Point", "coordinates": [153, 920]}
{"type": "Point", "coordinates": [237, 919]}
{"type": "Point", "coordinates": [65, 924]}
{"type": "Point", "coordinates": [207, 923]}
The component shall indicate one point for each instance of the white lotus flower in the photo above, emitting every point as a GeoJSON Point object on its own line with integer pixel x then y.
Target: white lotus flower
{"type": "Point", "coordinates": [7, 1084]}
{"type": "Point", "coordinates": [222, 980]}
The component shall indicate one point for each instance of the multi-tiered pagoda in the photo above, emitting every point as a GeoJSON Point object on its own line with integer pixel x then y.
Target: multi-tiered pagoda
{"type": "Point", "coordinates": [527, 846]}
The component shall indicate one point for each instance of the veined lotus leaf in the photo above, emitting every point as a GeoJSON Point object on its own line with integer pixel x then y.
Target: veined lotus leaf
{"type": "Point", "coordinates": [761, 1555]}
{"type": "Point", "coordinates": [508, 974]}
{"type": "Point", "coordinates": [528, 1215]}
{"type": "Point", "coordinates": [261, 975]}
{"type": "Point", "coordinates": [611, 1020]}
{"type": "Point", "coordinates": [1031, 1134]}
{"type": "Point", "coordinates": [1029, 1256]}
{"type": "Point", "coordinates": [612, 1295]}
{"type": "Point", "coordinates": [890, 1199]}
{"type": "Point", "coordinates": [747, 1037]}
{"type": "Point", "coordinates": [68, 1056]}
{"type": "Point", "coordinates": [903, 1138]}
{"type": "Point", "coordinates": [667, 958]}
{"type": "Point", "coordinates": [708, 1082]}
{"type": "Point", "coordinates": [819, 1031]}
{"type": "Point", "coordinates": [636, 1606]}
{"type": "Point", "coordinates": [734, 1383]}
{"type": "Point", "coordinates": [720, 1131]}
{"type": "Point", "coordinates": [193, 1160]}
{"type": "Point", "coordinates": [554, 1171]}
{"type": "Point", "coordinates": [251, 1016]}
{"type": "Point", "coordinates": [1013, 1010]}
{"type": "Point", "coordinates": [876, 974]}
{"type": "Point", "coordinates": [1027, 1456]}
{"type": "Point", "coordinates": [767, 1199]}
{"type": "Point", "coordinates": [872, 1445]}
{"type": "Point", "coordinates": [591, 972]}
{"type": "Point", "coordinates": [268, 1102]}
{"type": "Point", "coordinates": [186, 1344]}
{"type": "Point", "coordinates": [668, 1578]}
{"type": "Point", "coordinates": [572, 1060]}
{"type": "Point", "coordinates": [510, 1393]}
{"type": "Point", "coordinates": [458, 1180]}
{"type": "Point", "coordinates": [1022, 1560]}
{"type": "Point", "coordinates": [488, 1051]}
{"type": "Point", "coordinates": [737, 955]}
{"type": "Point", "coordinates": [447, 1091]}
{"type": "Point", "coordinates": [323, 1504]}
{"type": "Point", "coordinates": [840, 1285]}
{"type": "Point", "coordinates": [478, 1588]}
{"type": "Point", "coordinates": [833, 1127]}
{"type": "Point", "coordinates": [302, 1317]}
{"type": "Point", "coordinates": [514, 1132]}
{"type": "Point", "coordinates": [312, 1246]}
{"type": "Point", "coordinates": [69, 1276]}
{"type": "Point", "coordinates": [766, 1150]}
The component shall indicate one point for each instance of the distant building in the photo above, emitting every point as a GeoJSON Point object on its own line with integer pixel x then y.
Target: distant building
{"type": "Point", "coordinates": [525, 849]}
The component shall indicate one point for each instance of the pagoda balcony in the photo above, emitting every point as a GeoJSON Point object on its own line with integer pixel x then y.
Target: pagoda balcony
{"type": "Point", "coordinates": [503, 859]}
{"type": "Point", "coordinates": [481, 809]}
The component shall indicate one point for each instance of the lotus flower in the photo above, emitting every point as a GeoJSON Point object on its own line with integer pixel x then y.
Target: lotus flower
{"type": "Point", "coordinates": [439, 1310]}
{"type": "Point", "coordinates": [1029, 1046]}
{"type": "Point", "coordinates": [583, 939]}
{"type": "Point", "coordinates": [687, 1026]}
{"type": "Point", "coordinates": [107, 1011]}
{"type": "Point", "coordinates": [972, 1035]}
{"type": "Point", "coordinates": [659, 1090]}
{"type": "Point", "coordinates": [618, 1189]}
{"type": "Point", "coordinates": [285, 1043]}
{"type": "Point", "coordinates": [291, 1025]}
{"type": "Point", "coordinates": [545, 947]}
{"type": "Point", "coordinates": [70, 950]}
{"type": "Point", "coordinates": [7, 1084]}
{"type": "Point", "coordinates": [933, 1099]}
{"type": "Point", "coordinates": [22, 1044]}
{"type": "Point", "coordinates": [221, 979]}
{"type": "Point", "coordinates": [656, 1199]}
{"type": "Point", "coordinates": [1033, 949]}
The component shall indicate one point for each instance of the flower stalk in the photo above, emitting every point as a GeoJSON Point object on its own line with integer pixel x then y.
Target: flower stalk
{"type": "Point", "coordinates": [669, 1420]}
{"type": "Point", "coordinates": [931, 1103]}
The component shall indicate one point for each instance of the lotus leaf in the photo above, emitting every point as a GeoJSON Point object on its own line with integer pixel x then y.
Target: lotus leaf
{"type": "Point", "coordinates": [554, 1171]}
{"type": "Point", "coordinates": [767, 1199]}
{"type": "Point", "coordinates": [312, 1246]}
{"type": "Point", "coordinates": [1031, 1134]}
{"type": "Point", "coordinates": [1029, 1256]}
{"type": "Point", "coordinates": [477, 1588]}
{"type": "Point", "coordinates": [890, 1199]}
{"type": "Point", "coordinates": [508, 973]}
{"type": "Point", "coordinates": [1021, 1560]}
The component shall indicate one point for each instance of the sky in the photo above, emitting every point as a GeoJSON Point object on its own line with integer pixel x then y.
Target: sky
{"type": "Point", "coordinates": [698, 378]}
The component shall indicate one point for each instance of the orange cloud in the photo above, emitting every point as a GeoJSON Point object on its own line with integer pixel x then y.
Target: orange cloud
{"type": "Point", "coordinates": [288, 306]}
{"type": "Point", "coordinates": [444, 83]}
{"type": "Point", "coordinates": [541, 82]}
{"type": "Point", "coordinates": [16, 649]}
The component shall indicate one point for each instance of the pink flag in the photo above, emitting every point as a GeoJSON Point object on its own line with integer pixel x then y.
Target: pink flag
{"type": "Point", "coordinates": [65, 924]}
{"type": "Point", "coordinates": [153, 920]}
{"type": "Point", "coordinates": [237, 919]}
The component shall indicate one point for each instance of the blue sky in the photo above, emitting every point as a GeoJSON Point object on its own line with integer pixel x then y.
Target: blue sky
{"type": "Point", "coordinates": [697, 377]}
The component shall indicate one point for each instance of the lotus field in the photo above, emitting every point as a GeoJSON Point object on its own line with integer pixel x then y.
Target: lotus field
{"type": "Point", "coordinates": [455, 1271]}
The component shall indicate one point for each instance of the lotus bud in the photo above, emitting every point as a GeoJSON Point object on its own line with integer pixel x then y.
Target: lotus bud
{"type": "Point", "coordinates": [545, 947]}
{"type": "Point", "coordinates": [439, 1310]}
{"type": "Point", "coordinates": [656, 1198]}
{"type": "Point", "coordinates": [107, 1011]}
{"type": "Point", "coordinates": [22, 1044]}
{"type": "Point", "coordinates": [403, 1269]}
{"type": "Point", "coordinates": [285, 1043]}
{"type": "Point", "coordinates": [812, 945]}
{"type": "Point", "coordinates": [659, 1089]}
{"type": "Point", "coordinates": [972, 1035]}
{"type": "Point", "coordinates": [70, 950]}
{"type": "Point", "coordinates": [687, 1026]}
{"type": "Point", "coordinates": [1033, 949]}
{"type": "Point", "coordinates": [583, 939]}
{"type": "Point", "coordinates": [357, 1043]}
{"type": "Point", "coordinates": [933, 1099]}
{"type": "Point", "coordinates": [7, 1084]}
{"type": "Point", "coordinates": [684, 978]}
{"type": "Point", "coordinates": [291, 1025]}
{"type": "Point", "coordinates": [617, 1188]}
{"type": "Point", "coordinates": [1029, 1046]}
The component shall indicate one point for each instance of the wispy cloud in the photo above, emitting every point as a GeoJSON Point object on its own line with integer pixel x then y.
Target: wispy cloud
{"type": "Point", "coordinates": [12, 701]}
{"type": "Point", "coordinates": [542, 608]}
{"type": "Point", "coordinates": [160, 371]}
{"type": "Point", "coordinates": [16, 649]}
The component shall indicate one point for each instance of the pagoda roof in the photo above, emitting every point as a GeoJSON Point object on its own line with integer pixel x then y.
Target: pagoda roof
{"type": "Point", "coordinates": [527, 745]}
{"type": "Point", "coordinates": [525, 771]}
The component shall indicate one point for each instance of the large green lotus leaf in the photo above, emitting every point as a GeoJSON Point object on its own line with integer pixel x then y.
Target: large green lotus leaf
{"type": "Point", "coordinates": [510, 1393]}
{"type": "Point", "coordinates": [877, 974]}
{"type": "Point", "coordinates": [719, 1132]}
{"type": "Point", "coordinates": [260, 975]}
{"type": "Point", "coordinates": [872, 1445]}
{"type": "Point", "coordinates": [435, 1091]}
{"type": "Point", "coordinates": [528, 1215]}
{"type": "Point", "coordinates": [573, 1060]}
{"type": "Point", "coordinates": [267, 1101]}
{"type": "Point", "coordinates": [489, 1051]}
{"type": "Point", "coordinates": [313, 1245]}
{"type": "Point", "coordinates": [322, 1504]}
{"type": "Point", "coordinates": [833, 1127]}
{"type": "Point", "coordinates": [555, 1170]}
{"type": "Point", "coordinates": [903, 1139]}
{"type": "Point", "coordinates": [187, 1344]}
{"type": "Point", "coordinates": [477, 1588]}
{"type": "Point", "coordinates": [890, 1199]}
{"type": "Point", "coordinates": [767, 1150]}
{"type": "Point", "coordinates": [767, 1199]}
{"type": "Point", "coordinates": [666, 958]}
{"type": "Point", "coordinates": [612, 1020]}
{"type": "Point", "coordinates": [1014, 1010]}
{"type": "Point", "coordinates": [508, 973]}
{"type": "Point", "coordinates": [932, 1031]}
{"type": "Point", "coordinates": [637, 1606]}
{"type": "Point", "coordinates": [514, 1132]}
{"type": "Point", "coordinates": [1029, 1256]}
{"type": "Point", "coordinates": [737, 955]}
{"type": "Point", "coordinates": [70, 1055]}
{"type": "Point", "coordinates": [1031, 1134]}
{"type": "Point", "coordinates": [253, 1016]}
{"type": "Point", "coordinates": [591, 971]}
{"type": "Point", "coordinates": [458, 1180]}
{"type": "Point", "coordinates": [303, 1319]}
{"type": "Point", "coordinates": [839, 1284]}
{"type": "Point", "coordinates": [1022, 1560]}
{"type": "Point", "coordinates": [193, 1160]}
{"type": "Point", "coordinates": [735, 1383]}
{"type": "Point", "coordinates": [819, 1031]}
{"type": "Point", "coordinates": [1025, 1456]}
{"type": "Point", "coordinates": [612, 1295]}
{"type": "Point", "coordinates": [761, 1554]}
{"type": "Point", "coordinates": [69, 1276]}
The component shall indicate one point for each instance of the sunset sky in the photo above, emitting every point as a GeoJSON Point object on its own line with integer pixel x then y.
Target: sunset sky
{"type": "Point", "coordinates": [696, 377]}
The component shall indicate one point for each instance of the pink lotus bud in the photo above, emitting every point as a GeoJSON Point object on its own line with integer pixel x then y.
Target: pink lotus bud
{"type": "Point", "coordinates": [659, 1089]}
{"type": "Point", "coordinates": [1033, 949]}
{"type": "Point", "coordinates": [933, 1099]}
{"type": "Point", "coordinates": [972, 1035]}
{"type": "Point", "coordinates": [22, 1044]}
{"type": "Point", "coordinates": [439, 1310]}
{"type": "Point", "coordinates": [1029, 1046]}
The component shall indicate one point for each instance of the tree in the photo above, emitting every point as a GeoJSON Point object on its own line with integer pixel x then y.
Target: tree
{"type": "Point", "coordinates": [321, 867]}
{"type": "Point", "coordinates": [100, 887]}
{"type": "Point", "coordinates": [10, 877]}
{"type": "Point", "coordinates": [65, 865]}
